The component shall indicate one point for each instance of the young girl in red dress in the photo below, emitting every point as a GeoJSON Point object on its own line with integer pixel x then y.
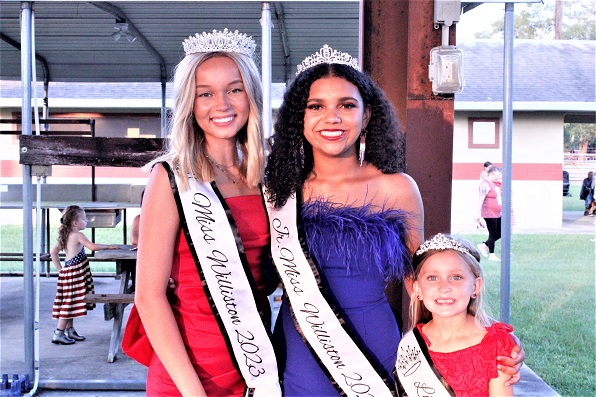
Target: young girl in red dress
{"type": "Point", "coordinates": [462, 342]}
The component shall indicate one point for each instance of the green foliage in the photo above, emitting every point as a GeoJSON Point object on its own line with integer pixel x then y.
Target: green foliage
{"type": "Point", "coordinates": [582, 24]}
{"type": "Point", "coordinates": [537, 21]}
{"type": "Point", "coordinates": [579, 135]}
{"type": "Point", "coordinates": [552, 306]}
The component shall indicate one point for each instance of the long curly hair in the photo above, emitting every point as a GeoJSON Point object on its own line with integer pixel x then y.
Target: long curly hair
{"type": "Point", "coordinates": [186, 146]}
{"type": "Point", "coordinates": [291, 159]}
{"type": "Point", "coordinates": [69, 215]}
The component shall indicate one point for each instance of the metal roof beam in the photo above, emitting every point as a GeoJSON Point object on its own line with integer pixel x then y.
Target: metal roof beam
{"type": "Point", "coordinates": [41, 59]}
{"type": "Point", "coordinates": [278, 9]}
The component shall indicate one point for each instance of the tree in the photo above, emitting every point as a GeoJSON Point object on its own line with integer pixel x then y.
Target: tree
{"type": "Point", "coordinates": [537, 21]}
{"type": "Point", "coordinates": [579, 136]}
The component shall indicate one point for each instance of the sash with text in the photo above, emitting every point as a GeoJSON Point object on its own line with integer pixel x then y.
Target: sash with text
{"type": "Point", "coordinates": [415, 371]}
{"type": "Point", "coordinates": [348, 367]}
{"type": "Point", "coordinates": [215, 246]}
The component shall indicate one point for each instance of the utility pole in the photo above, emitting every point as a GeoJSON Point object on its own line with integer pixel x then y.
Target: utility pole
{"type": "Point", "coordinates": [558, 19]}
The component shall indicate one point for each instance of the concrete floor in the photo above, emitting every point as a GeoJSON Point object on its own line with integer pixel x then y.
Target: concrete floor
{"type": "Point", "coordinates": [83, 361]}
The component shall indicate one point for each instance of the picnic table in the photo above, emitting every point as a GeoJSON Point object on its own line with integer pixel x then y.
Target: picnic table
{"type": "Point", "coordinates": [126, 260]}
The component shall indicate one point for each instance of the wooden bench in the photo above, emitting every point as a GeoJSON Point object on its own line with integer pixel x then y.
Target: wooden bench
{"type": "Point", "coordinates": [110, 298]}
{"type": "Point", "coordinates": [44, 151]}
{"type": "Point", "coordinates": [114, 305]}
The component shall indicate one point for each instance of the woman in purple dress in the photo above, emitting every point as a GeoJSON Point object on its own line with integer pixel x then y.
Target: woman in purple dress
{"type": "Point", "coordinates": [338, 146]}
{"type": "Point", "coordinates": [344, 220]}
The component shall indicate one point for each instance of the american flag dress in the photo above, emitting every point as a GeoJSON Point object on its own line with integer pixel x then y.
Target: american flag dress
{"type": "Point", "coordinates": [74, 282]}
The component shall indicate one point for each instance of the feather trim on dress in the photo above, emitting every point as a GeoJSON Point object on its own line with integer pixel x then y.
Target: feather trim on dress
{"type": "Point", "coordinates": [382, 233]}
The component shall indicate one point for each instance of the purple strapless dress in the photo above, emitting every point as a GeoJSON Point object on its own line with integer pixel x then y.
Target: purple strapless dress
{"type": "Point", "coordinates": [356, 250]}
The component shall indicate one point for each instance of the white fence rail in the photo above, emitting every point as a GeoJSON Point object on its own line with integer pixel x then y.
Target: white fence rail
{"type": "Point", "coordinates": [578, 165]}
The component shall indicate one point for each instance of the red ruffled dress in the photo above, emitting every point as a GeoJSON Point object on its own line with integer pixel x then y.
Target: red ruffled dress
{"type": "Point", "coordinates": [468, 371]}
{"type": "Point", "coordinates": [200, 332]}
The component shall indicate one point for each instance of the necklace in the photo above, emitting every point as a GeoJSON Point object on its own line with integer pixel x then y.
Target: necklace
{"type": "Point", "coordinates": [222, 169]}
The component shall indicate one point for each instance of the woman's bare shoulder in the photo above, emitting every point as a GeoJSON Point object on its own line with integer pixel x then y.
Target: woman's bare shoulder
{"type": "Point", "coordinates": [400, 186]}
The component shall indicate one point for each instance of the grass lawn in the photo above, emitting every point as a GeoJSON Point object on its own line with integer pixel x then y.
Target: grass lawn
{"type": "Point", "coordinates": [573, 203]}
{"type": "Point", "coordinates": [11, 240]}
{"type": "Point", "coordinates": [552, 299]}
{"type": "Point", "coordinates": [552, 306]}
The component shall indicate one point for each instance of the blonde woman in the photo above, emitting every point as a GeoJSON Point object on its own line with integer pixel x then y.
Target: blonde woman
{"type": "Point", "coordinates": [204, 225]}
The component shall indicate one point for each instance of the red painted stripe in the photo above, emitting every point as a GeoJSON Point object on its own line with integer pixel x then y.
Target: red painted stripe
{"type": "Point", "coordinates": [520, 171]}
{"type": "Point", "coordinates": [461, 171]}
{"type": "Point", "coordinates": [10, 168]}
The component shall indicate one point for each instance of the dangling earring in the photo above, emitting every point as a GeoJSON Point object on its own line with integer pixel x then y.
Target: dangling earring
{"type": "Point", "coordinates": [302, 154]}
{"type": "Point", "coordinates": [362, 146]}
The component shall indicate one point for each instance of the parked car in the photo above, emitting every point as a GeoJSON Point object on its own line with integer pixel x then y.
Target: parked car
{"type": "Point", "coordinates": [566, 191]}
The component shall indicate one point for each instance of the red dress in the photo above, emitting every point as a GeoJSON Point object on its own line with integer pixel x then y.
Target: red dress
{"type": "Point", "coordinates": [200, 332]}
{"type": "Point", "coordinates": [469, 370]}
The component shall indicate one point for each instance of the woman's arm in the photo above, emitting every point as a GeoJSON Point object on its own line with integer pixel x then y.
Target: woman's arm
{"type": "Point", "coordinates": [406, 197]}
{"type": "Point", "coordinates": [483, 190]}
{"type": "Point", "coordinates": [159, 228]}
{"type": "Point", "coordinates": [510, 366]}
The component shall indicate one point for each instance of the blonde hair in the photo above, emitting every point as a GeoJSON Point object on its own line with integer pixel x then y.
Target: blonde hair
{"type": "Point", "coordinates": [477, 308]}
{"type": "Point", "coordinates": [70, 215]}
{"type": "Point", "coordinates": [186, 148]}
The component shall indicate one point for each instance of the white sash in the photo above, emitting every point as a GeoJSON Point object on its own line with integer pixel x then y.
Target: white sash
{"type": "Point", "coordinates": [345, 363]}
{"type": "Point", "coordinates": [215, 247]}
{"type": "Point", "coordinates": [415, 373]}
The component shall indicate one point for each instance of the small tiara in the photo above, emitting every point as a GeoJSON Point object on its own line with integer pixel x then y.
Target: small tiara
{"type": "Point", "coordinates": [442, 242]}
{"type": "Point", "coordinates": [327, 55]}
{"type": "Point", "coordinates": [225, 41]}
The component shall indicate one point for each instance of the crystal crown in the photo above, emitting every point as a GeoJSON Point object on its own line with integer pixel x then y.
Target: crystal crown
{"type": "Point", "coordinates": [328, 55]}
{"type": "Point", "coordinates": [441, 242]}
{"type": "Point", "coordinates": [216, 41]}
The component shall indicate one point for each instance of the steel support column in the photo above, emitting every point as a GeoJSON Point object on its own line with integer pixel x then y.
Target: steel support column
{"type": "Point", "coordinates": [26, 125]}
{"type": "Point", "coordinates": [266, 73]}
{"type": "Point", "coordinates": [398, 37]}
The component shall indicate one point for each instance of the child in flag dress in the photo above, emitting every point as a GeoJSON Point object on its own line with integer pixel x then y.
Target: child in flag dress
{"type": "Point", "coordinates": [74, 278]}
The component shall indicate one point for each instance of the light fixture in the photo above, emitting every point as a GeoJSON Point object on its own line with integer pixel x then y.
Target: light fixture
{"type": "Point", "coordinates": [121, 28]}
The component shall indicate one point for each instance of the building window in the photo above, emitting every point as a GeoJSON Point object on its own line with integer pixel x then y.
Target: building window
{"type": "Point", "coordinates": [483, 133]}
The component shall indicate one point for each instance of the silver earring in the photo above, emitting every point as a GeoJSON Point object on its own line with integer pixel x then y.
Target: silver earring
{"type": "Point", "coordinates": [362, 146]}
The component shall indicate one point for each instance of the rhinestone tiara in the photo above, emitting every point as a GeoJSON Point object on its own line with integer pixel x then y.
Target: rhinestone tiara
{"type": "Point", "coordinates": [441, 242]}
{"type": "Point", "coordinates": [216, 41]}
{"type": "Point", "coordinates": [327, 55]}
